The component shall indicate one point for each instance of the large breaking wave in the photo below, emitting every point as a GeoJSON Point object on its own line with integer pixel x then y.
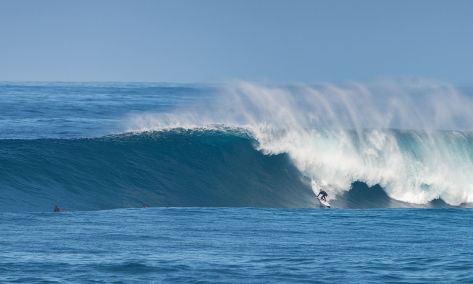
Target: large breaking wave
{"type": "Point", "coordinates": [412, 138]}
{"type": "Point", "coordinates": [216, 168]}
{"type": "Point", "coordinates": [383, 144]}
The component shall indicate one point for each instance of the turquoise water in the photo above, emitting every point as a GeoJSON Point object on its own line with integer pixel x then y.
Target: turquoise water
{"type": "Point", "coordinates": [234, 245]}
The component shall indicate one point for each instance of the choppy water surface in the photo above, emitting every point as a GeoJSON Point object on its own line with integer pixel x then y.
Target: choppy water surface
{"type": "Point", "coordinates": [238, 245]}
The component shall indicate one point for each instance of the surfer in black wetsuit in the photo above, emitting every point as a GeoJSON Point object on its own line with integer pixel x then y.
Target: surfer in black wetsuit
{"type": "Point", "coordinates": [56, 208]}
{"type": "Point", "coordinates": [324, 195]}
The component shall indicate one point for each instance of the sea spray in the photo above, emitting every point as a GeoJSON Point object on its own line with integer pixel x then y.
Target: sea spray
{"type": "Point", "coordinates": [412, 137]}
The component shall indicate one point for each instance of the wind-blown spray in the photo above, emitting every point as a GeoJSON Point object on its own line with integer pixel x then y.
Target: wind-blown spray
{"type": "Point", "coordinates": [409, 136]}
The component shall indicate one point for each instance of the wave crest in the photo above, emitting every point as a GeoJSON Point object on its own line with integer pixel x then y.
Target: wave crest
{"type": "Point", "coordinates": [412, 137]}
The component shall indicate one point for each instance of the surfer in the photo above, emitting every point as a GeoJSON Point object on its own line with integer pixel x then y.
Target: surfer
{"type": "Point", "coordinates": [324, 195]}
{"type": "Point", "coordinates": [57, 209]}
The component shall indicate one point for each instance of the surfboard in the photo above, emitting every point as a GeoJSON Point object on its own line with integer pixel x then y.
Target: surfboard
{"type": "Point", "coordinates": [323, 202]}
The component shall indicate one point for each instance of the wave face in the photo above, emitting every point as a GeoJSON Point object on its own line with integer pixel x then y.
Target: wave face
{"type": "Point", "coordinates": [380, 144]}
{"type": "Point", "coordinates": [412, 138]}
{"type": "Point", "coordinates": [225, 168]}
{"type": "Point", "coordinates": [172, 168]}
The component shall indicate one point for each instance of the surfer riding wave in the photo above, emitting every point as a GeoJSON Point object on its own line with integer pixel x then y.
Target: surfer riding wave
{"type": "Point", "coordinates": [320, 193]}
{"type": "Point", "coordinates": [323, 195]}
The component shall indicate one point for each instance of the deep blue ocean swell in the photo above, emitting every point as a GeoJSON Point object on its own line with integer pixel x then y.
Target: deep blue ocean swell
{"type": "Point", "coordinates": [173, 168]}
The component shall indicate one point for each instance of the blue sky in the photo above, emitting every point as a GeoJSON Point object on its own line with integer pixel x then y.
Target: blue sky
{"type": "Point", "coordinates": [213, 41]}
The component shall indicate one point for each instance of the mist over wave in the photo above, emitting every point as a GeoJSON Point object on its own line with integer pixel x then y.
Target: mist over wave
{"type": "Point", "coordinates": [411, 137]}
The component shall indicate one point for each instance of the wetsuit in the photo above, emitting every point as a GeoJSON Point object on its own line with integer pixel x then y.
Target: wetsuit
{"type": "Point", "coordinates": [324, 195]}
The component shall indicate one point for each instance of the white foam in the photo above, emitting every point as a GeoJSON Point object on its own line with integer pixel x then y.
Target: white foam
{"type": "Point", "coordinates": [339, 134]}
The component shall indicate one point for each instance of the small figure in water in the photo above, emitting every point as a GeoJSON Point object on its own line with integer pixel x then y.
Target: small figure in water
{"type": "Point", "coordinates": [324, 195]}
{"type": "Point", "coordinates": [57, 209]}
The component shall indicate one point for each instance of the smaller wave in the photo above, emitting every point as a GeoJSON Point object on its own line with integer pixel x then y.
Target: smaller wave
{"type": "Point", "coordinates": [361, 195]}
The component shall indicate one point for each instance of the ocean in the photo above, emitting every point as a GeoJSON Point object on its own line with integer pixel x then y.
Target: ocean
{"type": "Point", "coordinates": [216, 183]}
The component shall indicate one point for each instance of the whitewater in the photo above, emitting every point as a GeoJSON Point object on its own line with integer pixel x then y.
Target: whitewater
{"type": "Point", "coordinates": [411, 137]}
{"type": "Point", "coordinates": [89, 146]}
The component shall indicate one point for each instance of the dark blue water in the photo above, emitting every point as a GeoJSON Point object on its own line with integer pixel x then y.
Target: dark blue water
{"type": "Point", "coordinates": [178, 168]}
{"type": "Point", "coordinates": [200, 205]}
{"type": "Point", "coordinates": [235, 245]}
{"type": "Point", "coordinates": [76, 110]}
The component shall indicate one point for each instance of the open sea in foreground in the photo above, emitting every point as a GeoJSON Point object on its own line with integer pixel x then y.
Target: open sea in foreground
{"type": "Point", "coordinates": [238, 245]}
